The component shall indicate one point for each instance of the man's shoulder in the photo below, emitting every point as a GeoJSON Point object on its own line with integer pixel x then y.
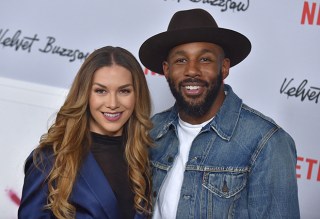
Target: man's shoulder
{"type": "Point", "coordinates": [257, 115]}
{"type": "Point", "coordinates": [162, 116]}
{"type": "Point", "coordinates": [162, 121]}
{"type": "Point", "coordinates": [260, 122]}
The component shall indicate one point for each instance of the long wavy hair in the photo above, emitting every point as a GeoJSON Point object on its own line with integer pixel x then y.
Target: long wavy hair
{"type": "Point", "coordinates": [69, 136]}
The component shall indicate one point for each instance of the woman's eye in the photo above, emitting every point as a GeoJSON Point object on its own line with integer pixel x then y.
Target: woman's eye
{"type": "Point", "coordinates": [100, 91]}
{"type": "Point", "coordinates": [125, 91]}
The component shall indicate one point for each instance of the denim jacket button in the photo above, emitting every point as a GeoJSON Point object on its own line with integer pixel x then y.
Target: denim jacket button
{"type": "Point", "coordinates": [170, 159]}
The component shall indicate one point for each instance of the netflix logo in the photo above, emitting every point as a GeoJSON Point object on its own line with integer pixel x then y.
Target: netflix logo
{"type": "Point", "coordinates": [13, 196]}
{"type": "Point", "coordinates": [308, 168]}
{"type": "Point", "coordinates": [151, 73]}
{"type": "Point", "coordinates": [310, 13]}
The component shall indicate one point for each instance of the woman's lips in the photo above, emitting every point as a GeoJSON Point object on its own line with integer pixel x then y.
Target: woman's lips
{"type": "Point", "coordinates": [112, 116]}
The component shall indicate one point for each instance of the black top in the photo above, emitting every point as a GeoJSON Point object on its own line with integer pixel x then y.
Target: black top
{"type": "Point", "coordinates": [109, 154]}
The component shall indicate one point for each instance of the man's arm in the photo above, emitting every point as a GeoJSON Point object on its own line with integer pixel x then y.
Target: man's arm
{"type": "Point", "coordinates": [273, 190]}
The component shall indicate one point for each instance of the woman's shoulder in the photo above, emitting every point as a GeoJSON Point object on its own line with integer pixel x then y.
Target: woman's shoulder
{"type": "Point", "coordinates": [40, 159]}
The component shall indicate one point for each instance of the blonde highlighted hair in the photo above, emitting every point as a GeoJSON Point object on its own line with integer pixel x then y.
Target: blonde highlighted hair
{"type": "Point", "coordinates": [69, 136]}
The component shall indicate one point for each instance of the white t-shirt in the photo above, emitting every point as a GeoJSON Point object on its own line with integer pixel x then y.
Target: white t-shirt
{"type": "Point", "coordinates": [167, 203]}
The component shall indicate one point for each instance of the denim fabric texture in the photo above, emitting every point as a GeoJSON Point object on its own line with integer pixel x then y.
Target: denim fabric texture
{"type": "Point", "coordinates": [240, 165]}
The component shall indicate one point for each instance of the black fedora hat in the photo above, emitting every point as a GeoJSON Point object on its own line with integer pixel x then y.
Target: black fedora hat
{"type": "Point", "coordinates": [195, 25]}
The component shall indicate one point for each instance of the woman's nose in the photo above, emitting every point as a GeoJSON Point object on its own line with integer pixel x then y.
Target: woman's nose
{"type": "Point", "coordinates": [112, 101]}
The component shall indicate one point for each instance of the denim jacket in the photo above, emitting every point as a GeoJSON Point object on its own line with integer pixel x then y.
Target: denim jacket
{"type": "Point", "coordinates": [240, 165]}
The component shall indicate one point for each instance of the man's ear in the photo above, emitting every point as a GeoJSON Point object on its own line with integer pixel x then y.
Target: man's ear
{"type": "Point", "coordinates": [225, 68]}
{"type": "Point", "coordinates": [165, 68]}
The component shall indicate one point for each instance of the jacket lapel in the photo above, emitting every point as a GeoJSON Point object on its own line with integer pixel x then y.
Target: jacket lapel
{"type": "Point", "coordinates": [100, 186]}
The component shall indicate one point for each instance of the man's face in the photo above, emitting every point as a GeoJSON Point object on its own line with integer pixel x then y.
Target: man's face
{"type": "Point", "coordinates": [194, 73]}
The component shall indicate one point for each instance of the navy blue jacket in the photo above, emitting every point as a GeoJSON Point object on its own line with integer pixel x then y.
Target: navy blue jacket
{"type": "Point", "coordinates": [91, 195]}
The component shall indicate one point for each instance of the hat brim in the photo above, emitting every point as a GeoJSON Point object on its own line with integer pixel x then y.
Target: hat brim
{"type": "Point", "coordinates": [155, 50]}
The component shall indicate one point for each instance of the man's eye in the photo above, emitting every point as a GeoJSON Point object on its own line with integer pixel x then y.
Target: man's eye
{"type": "Point", "coordinates": [181, 60]}
{"type": "Point", "coordinates": [205, 59]}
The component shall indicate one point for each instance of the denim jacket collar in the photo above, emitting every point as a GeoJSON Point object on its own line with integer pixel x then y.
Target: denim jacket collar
{"type": "Point", "coordinates": [224, 123]}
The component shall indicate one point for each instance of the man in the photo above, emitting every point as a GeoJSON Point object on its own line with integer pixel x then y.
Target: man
{"type": "Point", "coordinates": [214, 157]}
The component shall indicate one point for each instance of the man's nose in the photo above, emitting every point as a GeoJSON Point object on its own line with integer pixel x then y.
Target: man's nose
{"type": "Point", "coordinates": [193, 69]}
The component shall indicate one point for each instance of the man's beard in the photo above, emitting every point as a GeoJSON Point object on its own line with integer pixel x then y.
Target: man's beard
{"type": "Point", "coordinates": [201, 108]}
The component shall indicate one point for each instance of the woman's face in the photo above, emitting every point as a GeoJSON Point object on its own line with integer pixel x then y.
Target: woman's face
{"type": "Point", "coordinates": [111, 101]}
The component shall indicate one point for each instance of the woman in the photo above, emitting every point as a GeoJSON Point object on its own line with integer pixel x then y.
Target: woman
{"type": "Point", "coordinates": [93, 162]}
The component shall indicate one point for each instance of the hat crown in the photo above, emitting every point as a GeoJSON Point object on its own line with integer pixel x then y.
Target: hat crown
{"type": "Point", "coordinates": [188, 26]}
{"type": "Point", "coordinates": [194, 18]}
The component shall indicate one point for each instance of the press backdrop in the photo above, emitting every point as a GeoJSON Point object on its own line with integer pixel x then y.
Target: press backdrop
{"type": "Point", "coordinates": [43, 43]}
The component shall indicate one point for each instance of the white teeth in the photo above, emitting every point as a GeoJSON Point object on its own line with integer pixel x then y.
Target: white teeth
{"type": "Point", "coordinates": [111, 114]}
{"type": "Point", "coordinates": [192, 87]}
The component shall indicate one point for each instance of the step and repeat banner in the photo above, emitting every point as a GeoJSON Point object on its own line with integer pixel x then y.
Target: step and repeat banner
{"type": "Point", "coordinates": [43, 43]}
